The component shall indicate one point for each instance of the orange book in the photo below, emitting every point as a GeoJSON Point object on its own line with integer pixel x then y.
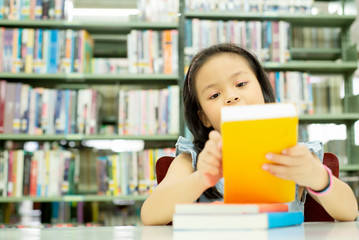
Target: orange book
{"type": "Point", "coordinates": [167, 51]}
{"type": "Point", "coordinates": [248, 134]}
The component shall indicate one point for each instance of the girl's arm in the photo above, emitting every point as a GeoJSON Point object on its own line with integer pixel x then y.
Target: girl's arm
{"type": "Point", "coordinates": [303, 167]}
{"type": "Point", "coordinates": [181, 185]}
{"type": "Point", "coordinates": [340, 203]}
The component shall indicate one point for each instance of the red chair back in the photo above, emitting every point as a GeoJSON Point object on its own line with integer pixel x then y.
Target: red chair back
{"type": "Point", "coordinates": [313, 211]}
{"type": "Point", "coordinates": [162, 165]}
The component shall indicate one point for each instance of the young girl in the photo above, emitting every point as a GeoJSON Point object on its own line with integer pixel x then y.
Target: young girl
{"type": "Point", "coordinates": [225, 75]}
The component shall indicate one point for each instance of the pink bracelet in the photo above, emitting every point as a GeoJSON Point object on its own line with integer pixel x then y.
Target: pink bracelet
{"type": "Point", "coordinates": [328, 188]}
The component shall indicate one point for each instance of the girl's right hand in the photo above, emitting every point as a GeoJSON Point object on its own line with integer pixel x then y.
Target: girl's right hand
{"type": "Point", "coordinates": [210, 160]}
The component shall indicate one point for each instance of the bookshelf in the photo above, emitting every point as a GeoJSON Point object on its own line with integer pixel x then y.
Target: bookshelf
{"type": "Point", "coordinates": [102, 32]}
{"type": "Point", "coordinates": [80, 137]}
{"type": "Point", "coordinates": [74, 198]}
{"type": "Point", "coordinates": [341, 59]}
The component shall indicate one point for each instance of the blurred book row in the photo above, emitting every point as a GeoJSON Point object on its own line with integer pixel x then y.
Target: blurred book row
{"type": "Point", "coordinates": [32, 9]}
{"type": "Point", "coordinates": [71, 51]}
{"type": "Point", "coordinates": [313, 94]}
{"type": "Point", "coordinates": [24, 109]}
{"type": "Point", "coordinates": [50, 173]}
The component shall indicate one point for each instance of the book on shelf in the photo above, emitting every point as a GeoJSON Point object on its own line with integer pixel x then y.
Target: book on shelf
{"type": "Point", "coordinates": [45, 50]}
{"type": "Point", "coordinates": [268, 40]}
{"type": "Point", "coordinates": [233, 221]}
{"type": "Point", "coordinates": [218, 207]}
{"type": "Point", "coordinates": [249, 133]}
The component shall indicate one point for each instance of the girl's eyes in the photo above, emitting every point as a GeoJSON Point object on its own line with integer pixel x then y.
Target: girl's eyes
{"type": "Point", "coordinates": [214, 96]}
{"type": "Point", "coordinates": [241, 84]}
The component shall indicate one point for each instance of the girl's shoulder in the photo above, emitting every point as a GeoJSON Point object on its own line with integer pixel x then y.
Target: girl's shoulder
{"type": "Point", "coordinates": [315, 147]}
{"type": "Point", "coordinates": [183, 145]}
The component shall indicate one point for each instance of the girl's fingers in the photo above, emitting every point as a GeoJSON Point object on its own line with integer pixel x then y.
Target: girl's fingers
{"type": "Point", "coordinates": [212, 149]}
{"type": "Point", "coordinates": [215, 136]}
{"type": "Point", "coordinates": [297, 150]}
{"type": "Point", "coordinates": [276, 170]}
{"type": "Point", "coordinates": [282, 159]}
{"type": "Point", "coordinates": [282, 171]}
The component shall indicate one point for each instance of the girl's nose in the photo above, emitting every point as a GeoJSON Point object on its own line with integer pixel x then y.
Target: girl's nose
{"type": "Point", "coordinates": [231, 100]}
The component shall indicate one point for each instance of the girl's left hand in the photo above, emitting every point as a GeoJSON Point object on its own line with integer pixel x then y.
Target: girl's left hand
{"type": "Point", "coordinates": [297, 164]}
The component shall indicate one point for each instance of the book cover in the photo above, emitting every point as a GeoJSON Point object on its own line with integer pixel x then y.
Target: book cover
{"type": "Point", "coordinates": [236, 221]}
{"type": "Point", "coordinates": [249, 133]}
{"type": "Point", "coordinates": [223, 208]}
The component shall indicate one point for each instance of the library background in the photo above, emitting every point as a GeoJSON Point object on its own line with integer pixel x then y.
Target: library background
{"type": "Point", "coordinates": [90, 93]}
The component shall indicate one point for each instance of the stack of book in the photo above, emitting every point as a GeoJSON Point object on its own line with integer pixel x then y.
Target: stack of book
{"type": "Point", "coordinates": [223, 216]}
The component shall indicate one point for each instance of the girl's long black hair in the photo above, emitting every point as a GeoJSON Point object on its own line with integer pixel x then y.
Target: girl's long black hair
{"type": "Point", "coordinates": [191, 103]}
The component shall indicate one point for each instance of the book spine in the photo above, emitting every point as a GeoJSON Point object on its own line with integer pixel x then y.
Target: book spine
{"type": "Point", "coordinates": [285, 219]}
{"type": "Point", "coordinates": [2, 104]}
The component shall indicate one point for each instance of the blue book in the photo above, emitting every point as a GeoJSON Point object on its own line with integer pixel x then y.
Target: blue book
{"type": "Point", "coordinates": [234, 221]}
{"type": "Point", "coordinates": [52, 66]}
{"type": "Point", "coordinates": [188, 30]}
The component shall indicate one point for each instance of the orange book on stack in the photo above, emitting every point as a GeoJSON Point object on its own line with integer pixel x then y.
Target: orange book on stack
{"type": "Point", "coordinates": [248, 134]}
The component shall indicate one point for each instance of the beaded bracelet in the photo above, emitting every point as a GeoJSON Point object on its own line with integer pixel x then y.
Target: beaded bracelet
{"type": "Point", "coordinates": [328, 188]}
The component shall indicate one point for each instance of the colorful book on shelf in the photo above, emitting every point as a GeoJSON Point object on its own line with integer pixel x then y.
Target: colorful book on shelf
{"type": "Point", "coordinates": [233, 221]}
{"type": "Point", "coordinates": [249, 133]}
{"type": "Point", "coordinates": [218, 207]}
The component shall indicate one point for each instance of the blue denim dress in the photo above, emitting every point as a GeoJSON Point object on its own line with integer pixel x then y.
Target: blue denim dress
{"type": "Point", "coordinates": [183, 145]}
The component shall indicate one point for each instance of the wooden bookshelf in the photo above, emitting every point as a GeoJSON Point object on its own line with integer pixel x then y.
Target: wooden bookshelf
{"type": "Point", "coordinates": [92, 78]}
{"type": "Point", "coordinates": [312, 66]}
{"type": "Point", "coordinates": [319, 20]}
{"type": "Point", "coordinates": [74, 198]}
{"type": "Point", "coordinates": [315, 53]}
{"type": "Point", "coordinates": [113, 27]}
{"type": "Point", "coordinates": [80, 137]}
{"type": "Point", "coordinates": [329, 118]}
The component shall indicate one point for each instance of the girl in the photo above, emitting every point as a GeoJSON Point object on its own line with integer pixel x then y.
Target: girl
{"type": "Point", "coordinates": [225, 75]}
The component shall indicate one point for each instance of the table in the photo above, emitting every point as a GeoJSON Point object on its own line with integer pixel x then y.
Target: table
{"type": "Point", "coordinates": [335, 231]}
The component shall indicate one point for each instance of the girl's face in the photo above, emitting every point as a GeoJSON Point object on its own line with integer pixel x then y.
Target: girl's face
{"type": "Point", "coordinates": [225, 80]}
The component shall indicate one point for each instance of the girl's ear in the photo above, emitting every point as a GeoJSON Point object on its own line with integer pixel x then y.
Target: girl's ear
{"type": "Point", "coordinates": [204, 119]}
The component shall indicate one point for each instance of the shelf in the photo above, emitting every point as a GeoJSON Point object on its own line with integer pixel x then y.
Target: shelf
{"type": "Point", "coordinates": [329, 118]}
{"type": "Point", "coordinates": [80, 137]}
{"type": "Point", "coordinates": [349, 167]}
{"type": "Point", "coordinates": [113, 27]}
{"type": "Point", "coordinates": [315, 53]}
{"type": "Point", "coordinates": [75, 198]}
{"type": "Point", "coordinates": [92, 78]}
{"type": "Point", "coordinates": [312, 66]}
{"type": "Point", "coordinates": [296, 19]}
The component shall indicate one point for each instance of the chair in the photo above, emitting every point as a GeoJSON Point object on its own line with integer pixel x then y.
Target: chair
{"type": "Point", "coordinates": [313, 212]}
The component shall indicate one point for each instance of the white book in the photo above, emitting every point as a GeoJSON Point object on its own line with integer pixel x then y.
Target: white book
{"type": "Point", "coordinates": [174, 109]}
{"type": "Point", "coordinates": [5, 172]}
{"type": "Point", "coordinates": [232, 221]}
{"type": "Point", "coordinates": [24, 103]}
{"type": "Point", "coordinates": [150, 112]}
{"type": "Point", "coordinates": [32, 112]}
